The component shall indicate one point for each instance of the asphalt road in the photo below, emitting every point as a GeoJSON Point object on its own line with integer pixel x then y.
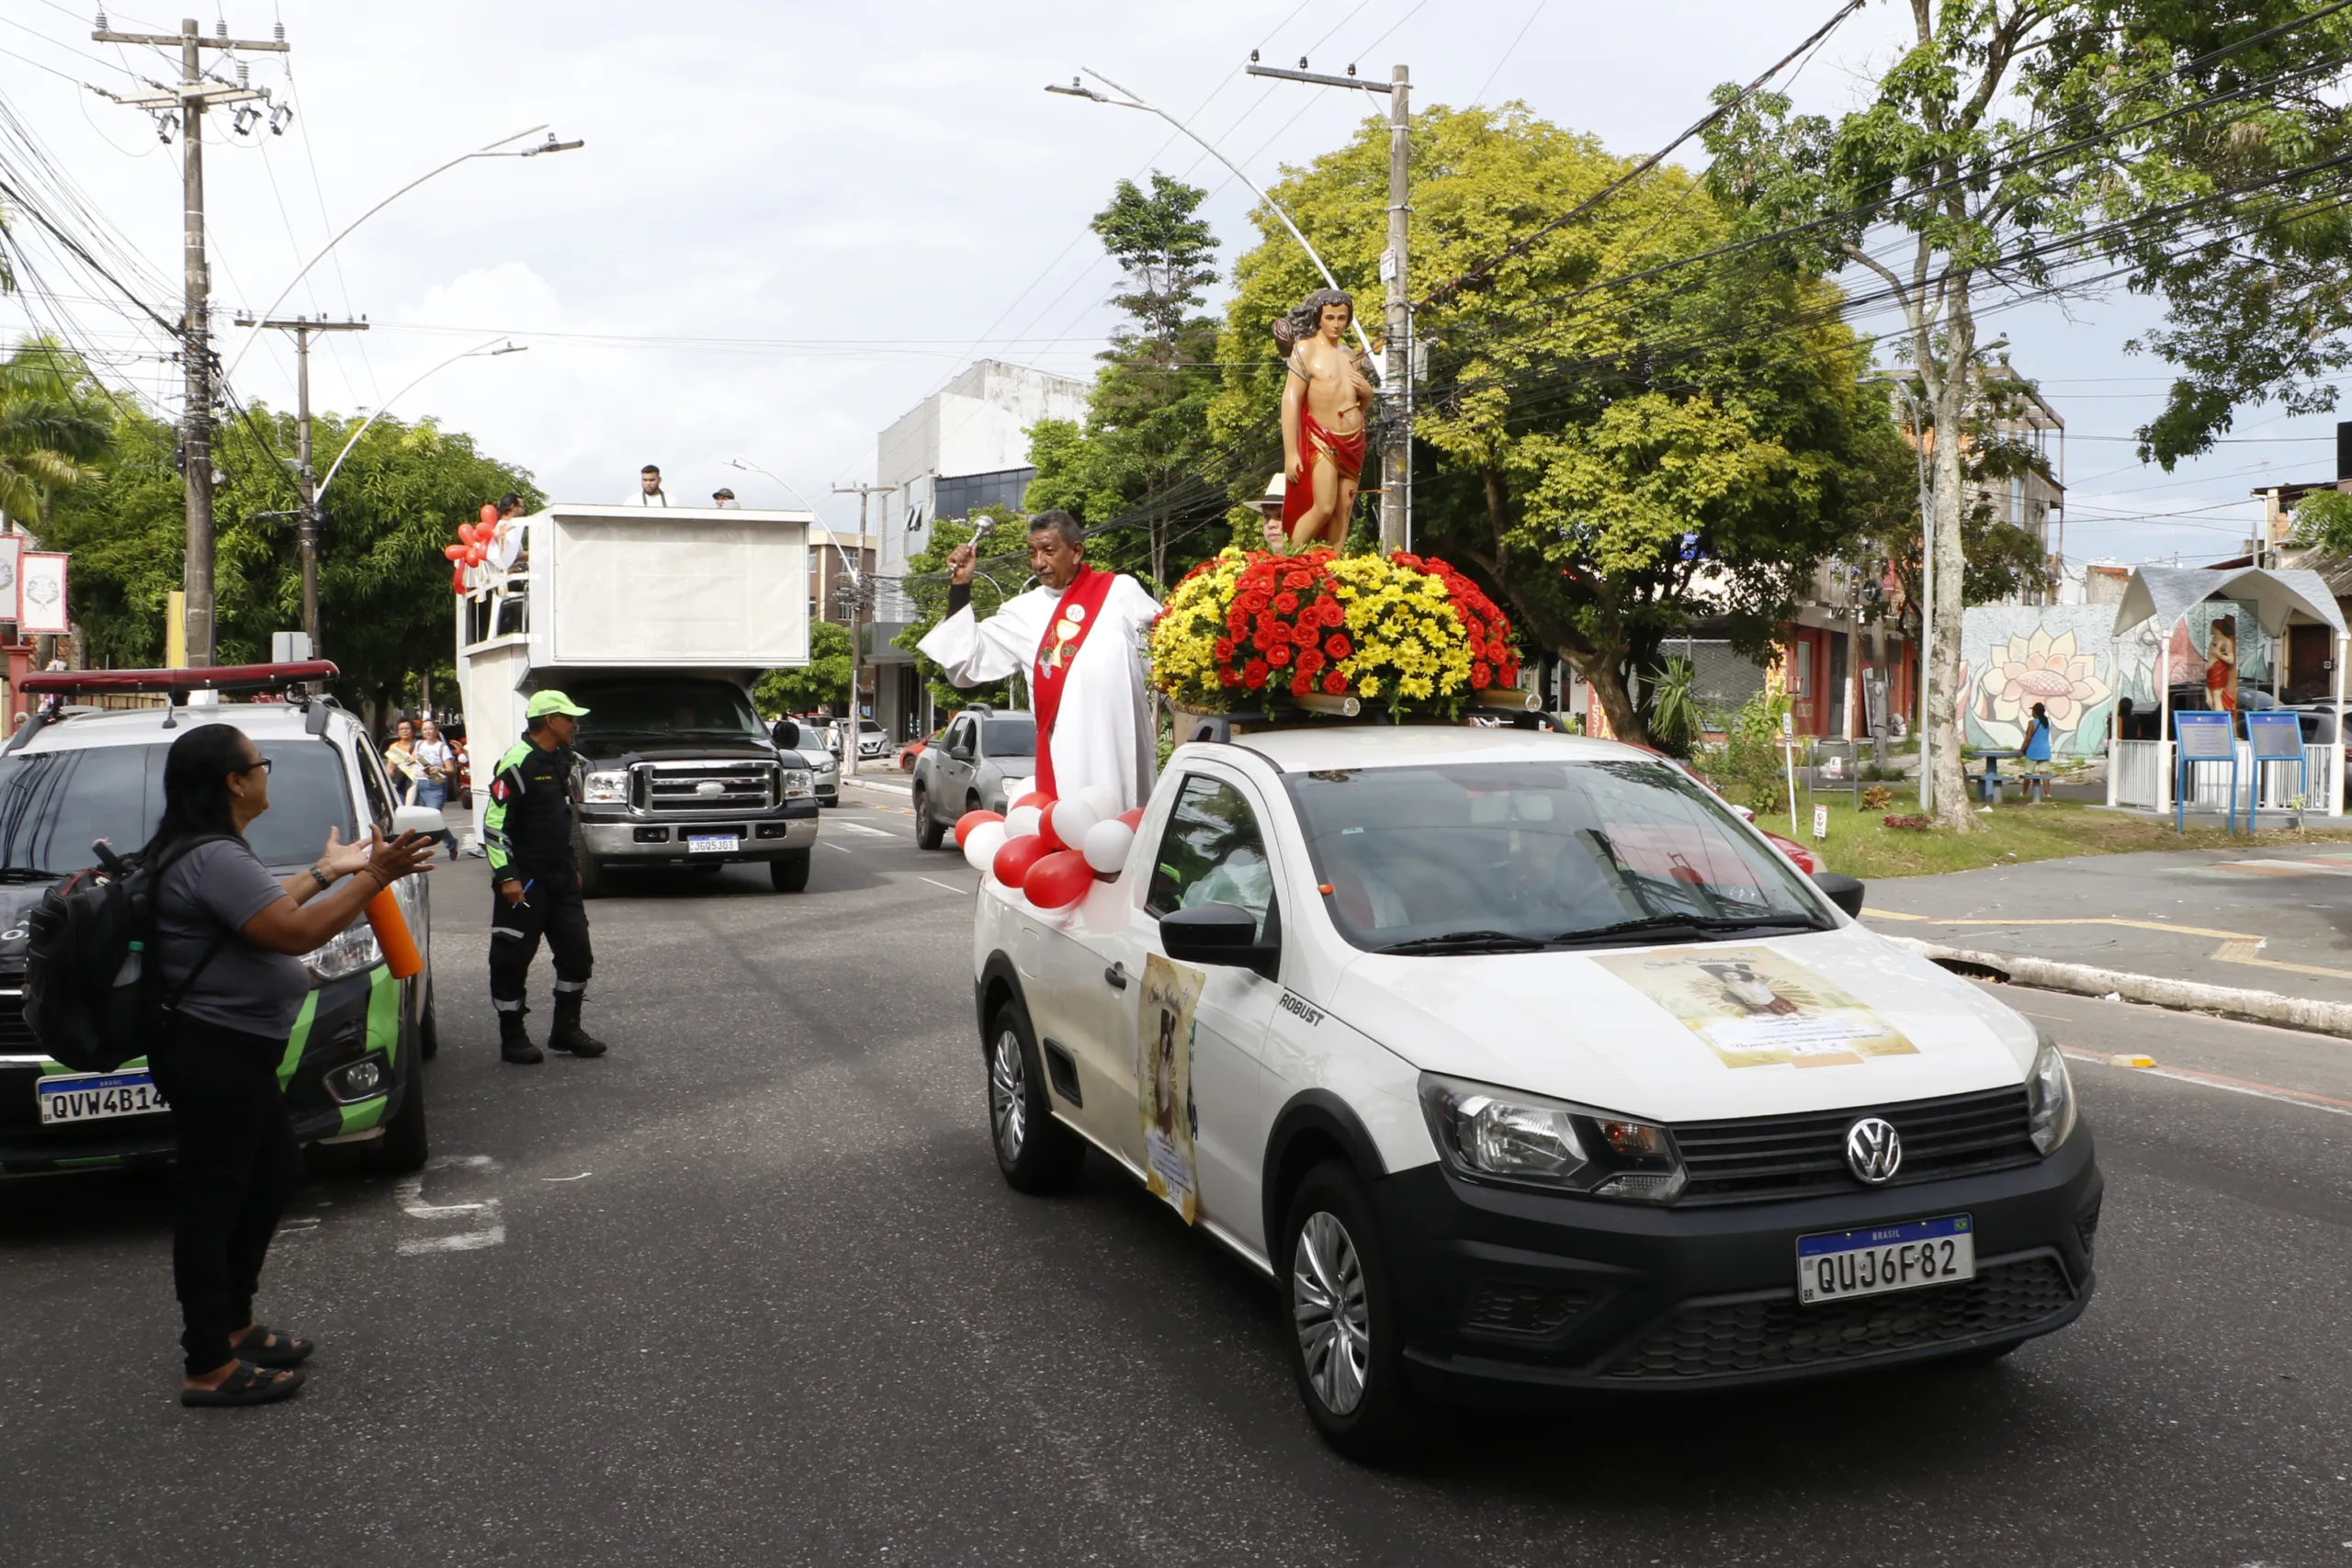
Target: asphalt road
{"type": "Point", "coordinates": [751, 1290]}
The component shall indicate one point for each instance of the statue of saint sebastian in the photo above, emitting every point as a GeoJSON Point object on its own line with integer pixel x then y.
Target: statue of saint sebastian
{"type": "Point", "coordinates": [1326, 402]}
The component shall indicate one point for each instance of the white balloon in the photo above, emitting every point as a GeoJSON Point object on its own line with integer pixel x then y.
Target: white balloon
{"type": "Point", "coordinates": [981, 844]}
{"type": "Point", "coordinates": [1072, 820]}
{"type": "Point", "coordinates": [1015, 788]}
{"type": "Point", "coordinates": [1020, 821]}
{"type": "Point", "coordinates": [1106, 846]}
{"type": "Point", "coordinates": [1103, 798]}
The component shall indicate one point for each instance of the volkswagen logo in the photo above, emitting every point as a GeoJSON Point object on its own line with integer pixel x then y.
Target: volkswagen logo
{"type": "Point", "coordinates": [1874, 1150]}
{"type": "Point", "coordinates": [710, 786]}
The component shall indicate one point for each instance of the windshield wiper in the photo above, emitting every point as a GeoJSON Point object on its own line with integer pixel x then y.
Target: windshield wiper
{"type": "Point", "coordinates": [1699, 925]}
{"type": "Point", "coordinates": [27, 874]}
{"type": "Point", "coordinates": [1467, 942]}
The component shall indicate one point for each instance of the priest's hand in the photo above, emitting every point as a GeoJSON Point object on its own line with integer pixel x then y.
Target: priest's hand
{"type": "Point", "coordinates": [961, 562]}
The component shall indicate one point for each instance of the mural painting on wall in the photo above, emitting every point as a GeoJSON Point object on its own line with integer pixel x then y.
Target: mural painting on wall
{"type": "Point", "coordinates": [2066, 658]}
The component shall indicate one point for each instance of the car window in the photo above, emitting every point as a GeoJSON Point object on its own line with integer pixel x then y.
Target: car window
{"type": "Point", "coordinates": [377, 787]}
{"type": "Point", "coordinates": [1534, 850]}
{"type": "Point", "coordinates": [1008, 737]}
{"type": "Point", "coordinates": [1211, 853]}
{"type": "Point", "coordinates": [960, 735]}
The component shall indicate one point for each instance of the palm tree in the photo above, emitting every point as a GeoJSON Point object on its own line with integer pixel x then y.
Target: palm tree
{"type": "Point", "coordinates": [49, 433]}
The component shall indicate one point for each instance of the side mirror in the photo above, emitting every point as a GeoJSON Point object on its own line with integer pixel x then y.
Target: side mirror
{"type": "Point", "coordinates": [417, 819]}
{"type": "Point", "coordinates": [961, 753]}
{"type": "Point", "coordinates": [1223, 934]}
{"type": "Point", "coordinates": [1845, 892]}
{"type": "Point", "coordinates": [785, 735]}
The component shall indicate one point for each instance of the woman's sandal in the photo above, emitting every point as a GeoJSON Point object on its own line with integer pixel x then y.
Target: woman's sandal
{"type": "Point", "coordinates": [256, 1346]}
{"type": "Point", "coordinates": [248, 1384]}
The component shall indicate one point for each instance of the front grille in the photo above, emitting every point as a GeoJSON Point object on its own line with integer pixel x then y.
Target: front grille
{"type": "Point", "coordinates": [1763, 1335]}
{"type": "Point", "coordinates": [1761, 1157]}
{"type": "Point", "coordinates": [1499, 1307]}
{"type": "Point", "coordinates": [678, 789]}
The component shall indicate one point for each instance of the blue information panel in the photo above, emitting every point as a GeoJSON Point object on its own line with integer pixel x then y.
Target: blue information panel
{"type": "Point", "coordinates": [2206, 736]}
{"type": "Point", "coordinates": [2277, 736]}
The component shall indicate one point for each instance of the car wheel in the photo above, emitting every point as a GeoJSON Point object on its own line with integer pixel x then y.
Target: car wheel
{"type": "Point", "coordinates": [1036, 1153]}
{"type": "Point", "coordinates": [789, 874]}
{"type": "Point", "coordinates": [402, 1149]}
{"type": "Point", "coordinates": [928, 831]}
{"type": "Point", "coordinates": [1344, 1340]}
{"type": "Point", "coordinates": [428, 1029]}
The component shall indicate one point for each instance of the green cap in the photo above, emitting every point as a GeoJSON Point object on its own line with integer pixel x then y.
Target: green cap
{"type": "Point", "coordinates": [545, 702]}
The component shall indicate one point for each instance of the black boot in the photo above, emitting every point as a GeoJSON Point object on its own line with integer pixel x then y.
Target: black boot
{"type": "Point", "coordinates": [567, 1034]}
{"type": "Point", "coordinates": [515, 1042]}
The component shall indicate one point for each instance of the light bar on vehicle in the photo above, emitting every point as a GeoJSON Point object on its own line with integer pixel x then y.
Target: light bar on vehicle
{"type": "Point", "coordinates": [217, 678]}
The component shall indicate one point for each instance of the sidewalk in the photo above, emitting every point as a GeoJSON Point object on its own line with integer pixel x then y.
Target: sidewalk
{"type": "Point", "coordinates": [2275, 920]}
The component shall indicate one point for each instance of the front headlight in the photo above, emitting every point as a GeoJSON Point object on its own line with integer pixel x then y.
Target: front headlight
{"type": "Point", "coordinates": [1500, 1135]}
{"type": "Point", "coordinates": [609, 788]}
{"type": "Point", "coordinates": [796, 782]}
{"type": "Point", "coordinates": [2050, 1094]}
{"type": "Point", "coordinates": [353, 952]}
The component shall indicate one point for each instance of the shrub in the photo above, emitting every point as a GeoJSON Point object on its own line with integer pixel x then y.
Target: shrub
{"type": "Point", "coordinates": [1746, 767]}
{"type": "Point", "coordinates": [1915, 823]}
{"type": "Point", "coordinates": [1878, 797]}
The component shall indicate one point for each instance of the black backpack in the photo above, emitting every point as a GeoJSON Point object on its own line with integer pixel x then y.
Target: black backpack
{"type": "Point", "coordinates": [92, 999]}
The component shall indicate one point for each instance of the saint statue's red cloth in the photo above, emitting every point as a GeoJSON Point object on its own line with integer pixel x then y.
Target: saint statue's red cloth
{"type": "Point", "coordinates": [1313, 442]}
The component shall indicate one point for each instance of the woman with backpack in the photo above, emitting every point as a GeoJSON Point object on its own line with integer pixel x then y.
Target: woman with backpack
{"type": "Point", "coordinates": [229, 941]}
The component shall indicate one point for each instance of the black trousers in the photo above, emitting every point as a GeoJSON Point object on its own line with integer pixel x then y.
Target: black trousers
{"type": "Point", "coordinates": [238, 1165]}
{"type": "Point", "coordinates": [553, 909]}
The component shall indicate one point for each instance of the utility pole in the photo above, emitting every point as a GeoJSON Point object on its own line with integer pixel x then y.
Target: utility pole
{"type": "Point", "coordinates": [306, 478]}
{"type": "Point", "coordinates": [1397, 443]}
{"type": "Point", "coordinates": [183, 107]}
{"type": "Point", "coordinates": [856, 613]}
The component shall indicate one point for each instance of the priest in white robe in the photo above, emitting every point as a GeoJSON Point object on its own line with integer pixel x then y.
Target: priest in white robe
{"type": "Point", "coordinates": [1077, 640]}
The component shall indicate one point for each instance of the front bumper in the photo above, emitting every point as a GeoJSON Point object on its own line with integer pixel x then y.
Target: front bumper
{"type": "Point", "coordinates": [1505, 1296]}
{"type": "Point", "coordinates": [790, 828]}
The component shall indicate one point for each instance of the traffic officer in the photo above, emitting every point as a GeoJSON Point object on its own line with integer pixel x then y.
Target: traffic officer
{"type": "Point", "coordinates": [527, 834]}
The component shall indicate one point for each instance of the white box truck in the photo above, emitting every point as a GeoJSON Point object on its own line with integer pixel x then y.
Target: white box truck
{"type": "Point", "coordinates": [655, 619]}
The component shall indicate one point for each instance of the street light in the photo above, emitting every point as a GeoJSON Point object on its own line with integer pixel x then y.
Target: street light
{"type": "Point", "coordinates": [850, 769]}
{"type": "Point", "coordinates": [497, 148]}
{"type": "Point", "coordinates": [1136, 101]}
{"type": "Point", "coordinates": [484, 352]}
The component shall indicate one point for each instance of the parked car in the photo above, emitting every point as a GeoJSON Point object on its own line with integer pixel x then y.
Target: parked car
{"type": "Point", "coordinates": [351, 1074]}
{"type": "Point", "coordinates": [798, 737]}
{"type": "Point", "coordinates": [1528, 1072]}
{"type": "Point", "coordinates": [915, 749]}
{"type": "Point", "coordinates": [979, 753]}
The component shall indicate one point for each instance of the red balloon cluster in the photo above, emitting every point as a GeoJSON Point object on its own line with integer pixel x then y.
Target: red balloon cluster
{"type": "Point", "coordinates": [1052, 850]}
{"type": "Point", "coordinates": [472, 547]}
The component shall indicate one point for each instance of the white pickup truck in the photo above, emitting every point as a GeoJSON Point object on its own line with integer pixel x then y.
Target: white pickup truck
{"type": "Point", "coordinates": [1527, 1069]}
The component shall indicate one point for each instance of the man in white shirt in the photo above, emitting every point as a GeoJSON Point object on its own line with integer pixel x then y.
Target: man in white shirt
{"type": "Point", "coordinates": [649, 491]}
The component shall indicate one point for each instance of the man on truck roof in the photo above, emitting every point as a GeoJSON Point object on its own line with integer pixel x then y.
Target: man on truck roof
{"type": "Point", "coordinates": [649, 489]}
{"type": "Point", "coordinates": [528, 833]}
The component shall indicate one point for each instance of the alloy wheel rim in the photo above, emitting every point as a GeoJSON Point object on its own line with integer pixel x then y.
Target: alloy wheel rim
{"type": "Point", "coordinates": [1332, 1316]}
{"type": "Point", "coordinates": [1008, 1095]}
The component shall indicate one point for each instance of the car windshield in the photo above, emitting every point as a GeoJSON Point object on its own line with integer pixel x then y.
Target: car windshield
{"type": "Point", "coordinates": [53, 804]}
{"type": "Point", "coordinates": [1008, 737]}
{"type": "Point", "coordinates": [1514, 856]}
{"type": "Point", "coordinates": [641, 708]}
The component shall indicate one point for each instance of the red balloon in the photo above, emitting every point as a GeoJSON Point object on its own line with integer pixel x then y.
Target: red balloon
{"type": "Point", "coordinates": [1133, 819]}
{"type": "Point", "coordinates": [1036, 797]}
{"type": "Point", "coordinates": [489, 514]}
{"type": "Point", "coordinates": [1013, 861]}
{"type": "Point", "coordinates": [455, 552]}
{"type": "Point", "coordinates": [1058, 880]}
{"type": "Point", "coordinates": [969, 820]}
{"type": "Point", "coordinates": [465, 533]}
{"type": "Point", "coordinates": [474, 555]}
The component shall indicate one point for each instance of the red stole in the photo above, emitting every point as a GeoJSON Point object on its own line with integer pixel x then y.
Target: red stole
{"type": "Point", "coordinates": [1073, 618]}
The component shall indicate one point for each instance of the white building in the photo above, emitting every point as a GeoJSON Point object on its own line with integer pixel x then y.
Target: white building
{"type": "Point", "coordinates": [967, 446]}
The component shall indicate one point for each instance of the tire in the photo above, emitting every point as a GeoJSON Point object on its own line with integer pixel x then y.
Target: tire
{"type": "Point", "coordinates": [402, 1149]}
{"type": "Point", "coordinates": [428, 1029]}
{"type": "Point", "coordinates": [928, 832]}
{"type": "Point", "coordinates": [1341, 1333]}
{"type": "Point", "coordinates": [789, 874]}
{"type": "Point", "coordinates": [1037, 1155]}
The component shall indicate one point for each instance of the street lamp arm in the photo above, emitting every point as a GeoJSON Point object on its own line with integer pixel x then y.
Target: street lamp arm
{"type": "Point", "coordinates": [1136, 101]}
{"type": "Point", "coordinates": [490, 150]}
{"type": "Point", "coordinates": [857, 578]}
{"type": "Point", "coordinates": [348, 446]}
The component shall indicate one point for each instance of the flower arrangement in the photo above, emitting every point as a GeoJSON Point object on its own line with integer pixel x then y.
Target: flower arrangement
{"type": "Point", "coordinates": [1244, 626]}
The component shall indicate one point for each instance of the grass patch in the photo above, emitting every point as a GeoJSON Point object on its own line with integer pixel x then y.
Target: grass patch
{"type": "Point", "coordinates": [1860, 845]}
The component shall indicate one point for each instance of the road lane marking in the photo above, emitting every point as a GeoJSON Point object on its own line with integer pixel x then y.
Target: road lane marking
{"type": "Point", "coordinates": [2237, 947]}
{"type": "Point", "coordinates": [842, 848]}
{"type": "Point", "coordinates": [862, 828]}
{"type": "Point", "coordinates": [949, 886]}
{"type": "Point", "coordinates": [2228, 1085]}
{"type": "Point", "coordinates": [489, 1225]}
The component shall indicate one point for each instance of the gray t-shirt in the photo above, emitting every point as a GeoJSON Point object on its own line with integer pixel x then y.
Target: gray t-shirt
{"type": "Point", "coordinates": [215, 887]}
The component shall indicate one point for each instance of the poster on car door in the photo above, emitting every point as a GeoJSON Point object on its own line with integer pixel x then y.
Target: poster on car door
{"type": "Point", "coordinates": [1755, 1008]}
{"type": "Point", "coordinates": [1164, 1039]}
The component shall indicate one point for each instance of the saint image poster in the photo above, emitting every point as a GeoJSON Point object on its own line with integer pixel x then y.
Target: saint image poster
{"type": "Point", "coordinates": [1755, 1007]}
{"type": "Point", "coordinates": [1170, 993]}
{"type": "Point", "coordinates": [41, 594]}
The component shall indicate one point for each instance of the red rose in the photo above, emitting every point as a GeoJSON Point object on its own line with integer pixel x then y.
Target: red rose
{"type": "Point", "coordinates": [1473, 631]}
{"type": "Point", "coordinates": [1255, 602]}
{"type": "Point", "coordinates": [1481, 677]}
{"type": "Point", "coordinates": [1286, 604]}
{"type": "Point", "coordinates": [1300, 685]}
{"type": "Point", "coordinates": [1278, 655]}
{"type": "Point", "coordinates": [1335, 683]}
{"type": "Point", "coordinates": [1225, 645]}
{"type": "Point", "coordinates": [1338, 647]}
{"type": "Point", "coordinates": [1260, 640]}
{"type": "Point", "coordinates": [1310, 661]}
{"type": "Point", "coordinates": [1499, 650]}
{"type": "Point", "coordinates": [1298, 579]}
{"type": "Point", "coordinates": [1253, 674]}
{"type": "Point", "coordinates": [1227, 678]}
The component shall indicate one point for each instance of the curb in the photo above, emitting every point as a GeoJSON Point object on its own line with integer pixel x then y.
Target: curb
{"type": "Point", "coordinates": [2181, 996]}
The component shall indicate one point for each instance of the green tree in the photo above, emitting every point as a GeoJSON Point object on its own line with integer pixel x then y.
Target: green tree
{"type": "Point", "coordinates": [2032, 146]}
{"type": "Point", "coordinates": [1138, 457]}
{"type": "Point", "coordinates": [1612, 473]}
{"type": "Point", "coordinates": [53, 429]}
{"type": "Point", "coordinates": [822, 682]}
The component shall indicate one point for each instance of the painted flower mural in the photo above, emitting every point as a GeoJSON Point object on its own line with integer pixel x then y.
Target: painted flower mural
{"type": "Point", "coordinates": [2032, 669]}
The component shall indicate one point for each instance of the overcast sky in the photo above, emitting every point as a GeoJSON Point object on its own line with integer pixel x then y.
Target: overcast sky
{"type": "Point", "coordinates": [793, 221]}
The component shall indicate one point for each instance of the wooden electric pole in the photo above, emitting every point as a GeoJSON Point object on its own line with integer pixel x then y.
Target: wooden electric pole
{"type": "Point", "coordinates": [188, 102]}
{"type": "Point", "coordinates": [307, 520]}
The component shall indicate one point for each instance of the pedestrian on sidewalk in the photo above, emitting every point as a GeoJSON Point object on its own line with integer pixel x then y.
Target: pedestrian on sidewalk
{"type": "Point", "coordinates": [229, 941]}
{"type": "Point", "coordinates": [527, 834]}
{"type": "Point", "coordinates": [437, 771]}
{"type": "Point", "coordinates": [399, 760]}
{"type": "Point", "coordinates": [2037, 754]}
